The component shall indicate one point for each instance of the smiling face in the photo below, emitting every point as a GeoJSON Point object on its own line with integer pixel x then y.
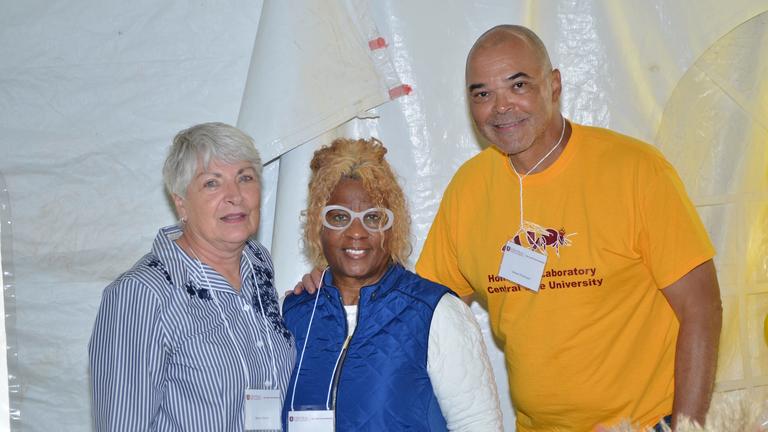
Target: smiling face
{"type": "Point", "coordinates": [221, 208]}
{"type": "Point", "coordinates": [356, 256]}
{"type": "Point", "coordinates": [513, 95]}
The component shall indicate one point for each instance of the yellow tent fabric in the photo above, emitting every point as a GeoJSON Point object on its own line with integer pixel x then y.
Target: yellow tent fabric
{"type": "Point", "coordinates": [714, 131]}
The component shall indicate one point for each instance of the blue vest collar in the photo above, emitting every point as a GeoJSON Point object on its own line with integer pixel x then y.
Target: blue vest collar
{"type": "Point", "coordinates": [373, 291]}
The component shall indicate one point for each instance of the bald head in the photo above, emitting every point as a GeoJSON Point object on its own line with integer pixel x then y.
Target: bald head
{"type": "Point", "coordinates": [513, 93]}
{"type": "Point", "coordinates": [504, 33]}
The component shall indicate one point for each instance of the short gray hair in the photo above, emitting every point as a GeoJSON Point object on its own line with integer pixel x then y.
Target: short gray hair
{"type": "Point", "coordinates": [204, 143]}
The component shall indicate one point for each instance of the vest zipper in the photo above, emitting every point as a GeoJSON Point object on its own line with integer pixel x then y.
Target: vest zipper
{"type": "Point", "coordinates": [343, 355]}
{"type": "Point", "coordinates": [337, 376]}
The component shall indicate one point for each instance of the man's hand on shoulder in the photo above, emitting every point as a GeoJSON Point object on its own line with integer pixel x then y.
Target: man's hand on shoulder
{"type": "Point", "coordinates": [310, 282]}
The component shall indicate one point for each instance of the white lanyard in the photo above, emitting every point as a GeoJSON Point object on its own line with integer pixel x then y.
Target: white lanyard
{"type": "Point", "coordinates": [520, 264]}
{"type": "Point", "coordinates": [266, 323]}
{"type": "Point", "coordinates": [229, 330]}
{"type": "Point", "coordinates": [303, 349]}
{"type": "Point", "coordinates": [521, 229]}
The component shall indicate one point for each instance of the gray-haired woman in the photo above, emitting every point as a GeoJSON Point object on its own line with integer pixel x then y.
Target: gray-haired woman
{"type": "Point", "coordinates": [191, 337]}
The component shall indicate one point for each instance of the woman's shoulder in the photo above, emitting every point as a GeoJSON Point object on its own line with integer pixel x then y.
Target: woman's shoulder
{"type": "Point", "coordinates": [255, 250]}
{"type": "Point", "coordinates": [293, 302]}
{"type": "Point", "coordinates": [422, 288]}
{"type": "Point", "coordinates": [297, 311]}
{"type": "Point", "coordinates": [147, 277]}
{"type": "Point", "coordinates": [453, 307]}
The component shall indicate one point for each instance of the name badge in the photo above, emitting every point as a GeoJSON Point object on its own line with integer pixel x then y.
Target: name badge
{"type": "Point", "coordinates": [522, 265]}
{"type": "Point", "coordinates": [310, 421]}
{"type": "Point", "coordinates": [262, 410]}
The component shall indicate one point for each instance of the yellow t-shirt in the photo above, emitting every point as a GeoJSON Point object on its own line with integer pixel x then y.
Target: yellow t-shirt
{"type": "Point", "coordinates": [596, 344]}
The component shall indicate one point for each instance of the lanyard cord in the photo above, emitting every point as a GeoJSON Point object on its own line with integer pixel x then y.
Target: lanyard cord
{"type": "Point", "coordinates": [304, 347]}
{"type": "Point", "coordinates": [266, 323]}
{"type": "Point", "coordinates": [560, 140]}
{"type": "Point", "coordinates": [224, 319]}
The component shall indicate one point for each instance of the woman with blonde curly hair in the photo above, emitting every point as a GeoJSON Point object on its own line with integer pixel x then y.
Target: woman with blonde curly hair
{"type": "Point", "coordinates": [379, 348]}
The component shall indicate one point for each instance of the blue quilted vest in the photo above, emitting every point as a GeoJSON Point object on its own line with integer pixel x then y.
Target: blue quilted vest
{"type": "Point", "coordinates": [382, 381]}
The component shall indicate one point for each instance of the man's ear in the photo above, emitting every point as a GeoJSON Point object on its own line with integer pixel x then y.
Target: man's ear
{"type": "Point", "coordinates": [557, 85]}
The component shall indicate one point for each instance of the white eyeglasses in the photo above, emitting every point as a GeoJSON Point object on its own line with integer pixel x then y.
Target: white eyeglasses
{"type": "Point", "coordinates": [375, 219]}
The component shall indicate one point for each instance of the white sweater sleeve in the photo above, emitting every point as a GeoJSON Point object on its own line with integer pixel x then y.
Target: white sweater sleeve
{"type": "Point", "coordinates": [458, 366]}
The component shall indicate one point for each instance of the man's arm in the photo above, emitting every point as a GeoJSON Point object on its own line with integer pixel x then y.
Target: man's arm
{"type": "Point", "coordinates": [695, 299]}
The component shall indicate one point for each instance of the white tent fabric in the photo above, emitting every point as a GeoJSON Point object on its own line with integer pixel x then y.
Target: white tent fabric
{"type": "Point", "coordinates": [91, 92]}
{"type": "Point", "coordinates": [315, 65]}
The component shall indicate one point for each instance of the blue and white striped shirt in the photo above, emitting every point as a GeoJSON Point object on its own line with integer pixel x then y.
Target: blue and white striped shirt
{"type": "Point", "coordinates": [173, 342]}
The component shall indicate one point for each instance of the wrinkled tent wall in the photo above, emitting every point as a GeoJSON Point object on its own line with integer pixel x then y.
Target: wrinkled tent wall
{"type": "Point", "coordinates": [326, 52]}
{"type": "Point", "coordinates": [91, 92]}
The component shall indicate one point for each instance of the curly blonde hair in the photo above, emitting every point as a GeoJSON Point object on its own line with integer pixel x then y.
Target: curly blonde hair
{"type": "Point", "coordinates": [359, 160]}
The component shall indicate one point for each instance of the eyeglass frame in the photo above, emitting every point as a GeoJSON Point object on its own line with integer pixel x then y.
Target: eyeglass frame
{"type": "Point", "coordinates": [357, 215]}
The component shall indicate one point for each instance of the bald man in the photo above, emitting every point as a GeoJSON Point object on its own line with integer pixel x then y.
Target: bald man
{"type": "Point", "coordinates": [593, 264]}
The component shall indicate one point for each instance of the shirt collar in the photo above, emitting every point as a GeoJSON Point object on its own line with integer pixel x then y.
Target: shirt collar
{"type": "Point", "coordinates": [377, 289]}
{"type": "Point", "coordinates": [174, 258]}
